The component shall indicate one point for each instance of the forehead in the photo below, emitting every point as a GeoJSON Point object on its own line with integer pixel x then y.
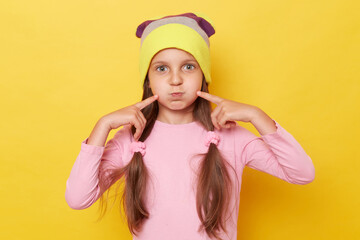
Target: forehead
{"type": "Point", "coordinates": [169, 54]}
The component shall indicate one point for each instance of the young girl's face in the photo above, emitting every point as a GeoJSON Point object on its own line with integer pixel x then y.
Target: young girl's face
{"type": "Point", "coordinates": [175, 76]}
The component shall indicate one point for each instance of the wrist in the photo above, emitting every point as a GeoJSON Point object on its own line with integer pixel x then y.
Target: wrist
{"type": "Point", "coordinates": [257, 113]}
{"type": "Point", "coordinates": [104, 124]}
{"type": "Point", "coordinates": [263, 123]}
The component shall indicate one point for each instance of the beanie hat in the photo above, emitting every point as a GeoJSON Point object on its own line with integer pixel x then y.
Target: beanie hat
{"type": "Point", "coordinates": [187, 31]}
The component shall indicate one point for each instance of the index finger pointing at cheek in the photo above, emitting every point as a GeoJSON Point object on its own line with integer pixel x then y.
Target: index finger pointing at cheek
{"type": "Point", "coordinates": [209, 97]}
{"type": "Point", "coordinates": [146, 102]}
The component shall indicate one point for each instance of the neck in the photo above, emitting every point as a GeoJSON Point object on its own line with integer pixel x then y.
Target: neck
{"type": "Point", "coordinates": [175, 116]}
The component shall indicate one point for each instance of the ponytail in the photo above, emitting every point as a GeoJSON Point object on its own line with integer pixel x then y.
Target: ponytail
{"type": "Point", "coordinates": [135, 173]}
{"type": "Point", "coordinates": [214, 182]}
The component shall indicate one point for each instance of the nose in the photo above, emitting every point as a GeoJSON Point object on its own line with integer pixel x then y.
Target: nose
{"type": "Point", "coordinates": [176, 78]}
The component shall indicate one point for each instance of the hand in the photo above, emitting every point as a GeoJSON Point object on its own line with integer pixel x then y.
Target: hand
{"type": "Point", "coordinates": [129, 115]}
{"type": "Point", "coordinates": [227, 112]}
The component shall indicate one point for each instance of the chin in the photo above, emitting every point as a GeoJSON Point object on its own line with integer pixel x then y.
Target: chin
{"type": "Point", "coordinates": [176, 106]}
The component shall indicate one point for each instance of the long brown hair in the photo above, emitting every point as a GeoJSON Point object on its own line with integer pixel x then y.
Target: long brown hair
{"type": "Point", "coordinates": [213, 183]}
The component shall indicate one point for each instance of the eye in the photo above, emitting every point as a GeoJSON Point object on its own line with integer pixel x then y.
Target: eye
{"type": "Point", "coordinates": [189, 65]}
{"type": "Point", "coordinates": [160, 67]}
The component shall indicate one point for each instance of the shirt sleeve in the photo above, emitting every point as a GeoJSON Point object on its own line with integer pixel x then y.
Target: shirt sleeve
{"type": "Point", "coordinates": [280, 155]}
{"type": "Point", "coordinates": [82, 188]}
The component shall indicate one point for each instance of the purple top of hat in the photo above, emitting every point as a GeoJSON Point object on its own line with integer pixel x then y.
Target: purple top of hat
{"type": "Point", "coordinates": [205, 25]}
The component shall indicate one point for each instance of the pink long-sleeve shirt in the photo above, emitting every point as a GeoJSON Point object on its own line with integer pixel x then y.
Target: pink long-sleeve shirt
{"type": "Point", "coordinates": [171, 158]}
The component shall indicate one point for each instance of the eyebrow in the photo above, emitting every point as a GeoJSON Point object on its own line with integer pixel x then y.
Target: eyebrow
{"type": "Point", "coordinates": [186, 60]}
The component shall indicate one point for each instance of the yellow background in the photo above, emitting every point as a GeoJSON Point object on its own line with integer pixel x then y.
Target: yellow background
{"type": "Point", "coordinates": [64, 64]}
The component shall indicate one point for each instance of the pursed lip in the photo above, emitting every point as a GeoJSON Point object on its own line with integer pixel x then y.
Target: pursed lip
{"type": "Point", "coordinates": [176, 94]}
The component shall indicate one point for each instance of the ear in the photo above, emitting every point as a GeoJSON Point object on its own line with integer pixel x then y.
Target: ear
{"type": "Point", "coordinates": [204, 85]}
{"type": "Point", "coordinates": [147, 81]}
{"type": "Point", "coordinates": [148, 85]}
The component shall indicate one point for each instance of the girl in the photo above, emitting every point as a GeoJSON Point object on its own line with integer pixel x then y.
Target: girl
{"type": "Point", "coordinates": [182, 163]}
